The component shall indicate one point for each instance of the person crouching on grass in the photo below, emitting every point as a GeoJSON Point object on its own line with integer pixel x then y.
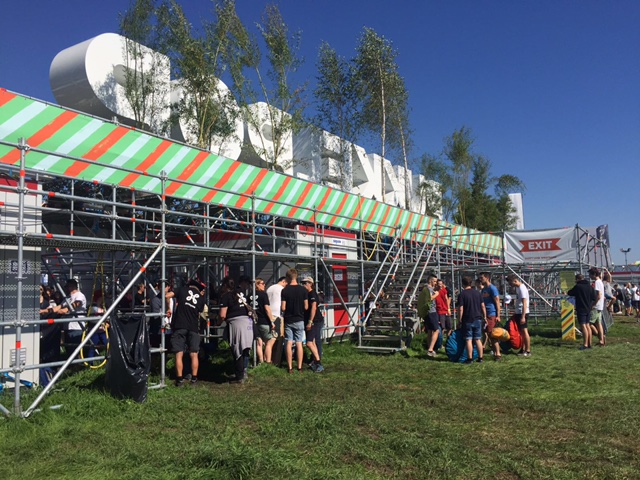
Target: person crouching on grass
{"type": "Point", "coordinates": [472, 314]}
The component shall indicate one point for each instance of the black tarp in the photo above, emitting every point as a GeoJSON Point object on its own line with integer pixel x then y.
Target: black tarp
{"type": "Point", "coordinates": [129, 360]}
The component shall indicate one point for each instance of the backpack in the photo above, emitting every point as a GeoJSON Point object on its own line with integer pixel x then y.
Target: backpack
{"type": "Point", "coordinates": [456, 347]}
{"type": "Point", "coordinates": [515, 340]}
{"type": "Point", "coordinates": [424, 303]}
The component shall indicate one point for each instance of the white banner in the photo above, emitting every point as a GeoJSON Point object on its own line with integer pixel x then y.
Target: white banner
{"type": "Point", "coordinates": [540, 246]}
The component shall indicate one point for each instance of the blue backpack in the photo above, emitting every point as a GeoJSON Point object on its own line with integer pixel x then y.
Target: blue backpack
{"type": "Point", "coordinates": [456, 347]}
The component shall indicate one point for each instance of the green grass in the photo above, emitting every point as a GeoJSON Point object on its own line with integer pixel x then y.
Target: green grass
{"type": "Point", "coordinates": [560, 414]}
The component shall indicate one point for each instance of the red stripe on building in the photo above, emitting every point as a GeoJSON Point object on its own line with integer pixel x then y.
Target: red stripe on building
{"type": "Point", "coordinates": [146, 163]}
{"type": "Point", "coordinates": [278, 194]}
{"type": "Point", "coordinates": [5, 96]}
{"type": "Point", "coordinates": [187, 172]}
{"type": "Point", "coordinates": [39, 137]}
{"type": "Point", "coordinates": [97, 151]}
{"type": "Point", "coordinates": [223, 181]}
{"type": "Point", "coordinates": [301, 198]}
{"type": "Point", "coordinates": [252, 188]}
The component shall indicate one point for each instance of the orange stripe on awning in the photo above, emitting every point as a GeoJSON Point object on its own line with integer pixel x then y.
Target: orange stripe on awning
{"type": "Point", "coordinates": [356, 213]}
{"type": "Point", "coordinates": [97, 151]}
{"type": "Point", "coordinates": [372, 214]}
{"type": "Point", "coordinates": [146, 163]}
{"type": "Point", "coordinates": [301, 198]}
{"type": "Point", "coordinates": [5, 96]}
{"type": "Point", "coordinates": [39, 137]}
{"type": "Point", "coordinates": [252, 188]}
{"type": "Point", "coordinates": [406, 229]}
{"type": "Point", "coordinates": [334, 219]}
{"type": "Point", "coordinates": [187, 172]}
{"type": "Point", "coordinates": [220, 183]}
{"type": "Point", "coordinates": [278, 194]}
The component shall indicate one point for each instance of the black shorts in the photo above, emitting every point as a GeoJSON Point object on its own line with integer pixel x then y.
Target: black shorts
{"type": "Point", "coordinates": [182, 338]}
{"type": "Point", "coordinates": [517, 317]}
{"type": "Point", "coordinates": [445, 321]}
{"type": "Point", "coordinates": [432, 323]}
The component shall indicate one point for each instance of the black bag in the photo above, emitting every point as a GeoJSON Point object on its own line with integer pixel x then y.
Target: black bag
{"type": "Point", "coordinates": [129, 360]}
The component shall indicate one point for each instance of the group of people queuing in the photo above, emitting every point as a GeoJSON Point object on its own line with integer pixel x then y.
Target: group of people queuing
{"type": "Point", "coordinates": [288, 307]}
{"type": "Point", "coordinates": [625, 299]}
{"type": "Point", "coordinates": [591, 298]}
{"type": "Point", "coordinates": [479, 309]}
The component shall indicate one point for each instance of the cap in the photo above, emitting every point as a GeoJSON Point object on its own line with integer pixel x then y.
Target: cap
{"type": "Point", "coordinates": [197, 283]}
{"type": "Point", "coordinates": [307, 280]}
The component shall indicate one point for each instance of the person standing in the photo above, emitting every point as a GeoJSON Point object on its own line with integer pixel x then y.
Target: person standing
{"type": "Point", "coordinates": [491, 300]}
{"type": "Point", "coordinates": [472, 313]}
{"type": "Point", "coordinates": [265, 325]}
{"type": "Point", "coordinates": [521, 315]}
{"type": "Point", "coordinates": [314, 321]}
{"type": "Point", "coordinates": [275, 300]}
{"type": "Point", "coordinates": [596, 312]}
{"type": "Point", "coordinates": [235, 309]}
{"type": "Point", "coordinates": [76, 306]}
{"type": "Point", "coordinates": [443, 308]}
{"type": "Point", "coordinates": [586, 298]}
{"type": "Point", "coordinates": [190, 302]}
{"type": "Point", "coordinates": [432, 323]}
{"type": "Point", "coordinates": [294, 305]}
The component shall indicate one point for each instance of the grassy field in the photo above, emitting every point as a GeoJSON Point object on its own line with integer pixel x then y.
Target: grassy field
{"type": "Point", "coordinates": [560, 414]}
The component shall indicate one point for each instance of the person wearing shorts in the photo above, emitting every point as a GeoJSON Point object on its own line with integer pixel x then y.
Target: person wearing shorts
{"type": "Point", "coordinates": [596, 312]}
{"type": "Point", "coordinates": [491, 299]}
{"type": "Point", "coordinates": [472, 313]}
{"type": "Point", "coordinates": [190, 303]}
{"type": "Point", "coordinates": [265, 323]}
{"type": "Point", "coordinates": [522, 313]}
{"type": "Point", "coordinates": [432, 322]}
{"type": "Point", "coordinates": [443, 307]}
{"type": "Point", "coordinates": [585, 298]}
{"type": "Point", "coordinates": [294, 305]}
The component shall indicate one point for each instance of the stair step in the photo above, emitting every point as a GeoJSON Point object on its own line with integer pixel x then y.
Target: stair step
{"type": "Point", "coordinates": [368, 349]}
{"type": "Point", "coordinates": [381, 338]}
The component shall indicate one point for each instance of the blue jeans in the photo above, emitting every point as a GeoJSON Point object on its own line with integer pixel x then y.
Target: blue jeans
{"type": "Point", "coordinates": [294, 332]}
{"type": "Point", "coordinates": [473, 330]}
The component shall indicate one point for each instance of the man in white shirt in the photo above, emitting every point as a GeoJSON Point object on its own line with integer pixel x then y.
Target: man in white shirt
{"type": "Point", "coordinates": [596, 312]}
{"type": "Point", "coordinates": [522, 313]}
{"type": "Point", "coordinates": [75, 306]}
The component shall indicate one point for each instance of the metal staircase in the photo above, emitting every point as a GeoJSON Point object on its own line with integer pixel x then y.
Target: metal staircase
{"type": "Point", "coordinates": [390, 326]}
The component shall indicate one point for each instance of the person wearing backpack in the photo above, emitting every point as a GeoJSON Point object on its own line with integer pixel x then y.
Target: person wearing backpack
{"type": "Point", "coordinates": [586, 298]}
{"type": "Point", "coordinates": [522, 312]}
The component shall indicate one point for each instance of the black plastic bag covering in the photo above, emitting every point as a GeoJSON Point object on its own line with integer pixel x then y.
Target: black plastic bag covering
{"type": "Point", "coordinates": [129, 360]}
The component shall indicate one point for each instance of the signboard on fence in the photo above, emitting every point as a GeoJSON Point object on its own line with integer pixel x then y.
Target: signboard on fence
{"type": "Point", "coordinates": [540, 246]}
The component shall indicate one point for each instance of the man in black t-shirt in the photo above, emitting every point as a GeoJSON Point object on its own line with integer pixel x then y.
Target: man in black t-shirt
{"type": "Point", "coordinates": [265, 328]}
{"type": "Point", "coordinates": [294, 305]}
{"type": "Point", "coordinates": [184, 324]}
{"type": "Point", "coordinates": [313, 321]}
{"type": "Point", "coordinates": [472, 314]}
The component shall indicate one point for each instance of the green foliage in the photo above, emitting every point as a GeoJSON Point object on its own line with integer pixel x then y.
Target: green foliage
{"type": "Point", "coordinates": [465, 183]}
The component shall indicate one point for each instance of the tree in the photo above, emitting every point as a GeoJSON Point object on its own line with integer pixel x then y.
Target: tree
{"type": "Point", "coordinates": [146, 81]}
{"type": "Point", "coordinates": [337, 102]}
{"type": "Point", "coordinates": [401, 133]}
{"type": "Point", "coordinates": [465, 183]}
{"type": "Point", "coordinates": [284, 104]}
{"type": "Point", "coordinates": [206, 106]}
{"type": "Point", "coordinates": [380, 84]}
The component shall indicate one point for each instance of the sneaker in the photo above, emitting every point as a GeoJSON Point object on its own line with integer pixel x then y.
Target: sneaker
{"type": "Point", "coordinates": [498, 358]}
{"type": "Point", "coordinates": [526, 354]}
{"type": "Point", "coordinates": [319, 368]}
{"type": "Point", "coordinates": [468, 361]}
{"type": "Point", "coordinates": [583, 347]}
{"type": "Point", "coordinates": [431, 354]}
{"type": "Point", "coordinates": [193, 381]}
{"type": "Point", "coordinates": [480, 360]}
{"type": "Point", "coordinates": [521, 354]}
{"type": "Point", "coordinates": [180, 382]}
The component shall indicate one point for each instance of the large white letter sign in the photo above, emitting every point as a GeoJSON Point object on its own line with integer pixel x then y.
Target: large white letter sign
{"type": "Point", "coordinates": [91, 77]}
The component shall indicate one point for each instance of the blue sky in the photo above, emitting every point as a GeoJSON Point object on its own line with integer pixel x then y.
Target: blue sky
{"type": "Point", "coordinates": [550, 89]}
